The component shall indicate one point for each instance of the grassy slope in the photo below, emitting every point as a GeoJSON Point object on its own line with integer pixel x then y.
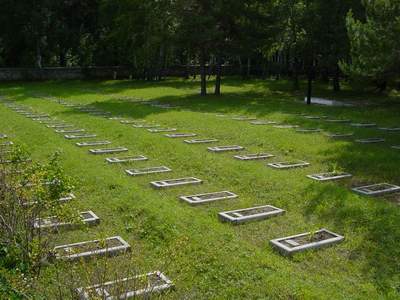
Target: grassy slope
{"type": "Point", "coordinates": [205, 258]}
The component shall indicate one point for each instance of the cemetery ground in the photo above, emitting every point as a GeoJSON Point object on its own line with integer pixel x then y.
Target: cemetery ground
{"type": "Point", "coordinates": [204, 257]}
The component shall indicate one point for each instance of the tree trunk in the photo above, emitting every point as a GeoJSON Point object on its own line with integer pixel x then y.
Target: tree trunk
{"type": "Point", "coordinates": [248, 67]}
{"type": "Point", "coordinates": [296, 85]}
{"type": "Point", "coordinates": [38, 53]}
{"type": "Point", "coordinates": [203, 91]}
{"type": "Point", "coordinates": [336, 79]}
{"type": "Point", "coordinates": [309, 85]}
{"type": "Point", "coordinates": [218, 71]}
{"type": "Point", "coordinates": [63, 59]}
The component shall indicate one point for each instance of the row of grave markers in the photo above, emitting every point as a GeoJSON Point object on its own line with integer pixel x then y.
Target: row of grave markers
{"type": "Point", "coordinates": [151, 282]}
{"type": "Point", "coordinates": [319, 238]}
{"type": "Point", "coordinates": [371, 189]}
{"type": "Point", "coordinates": [372, 140]}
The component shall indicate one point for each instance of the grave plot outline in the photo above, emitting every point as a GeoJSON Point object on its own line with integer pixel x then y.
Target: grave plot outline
{"type": "Point", "coordinates": [94, 143]}
{"type": "Point", "coordinates": [262, 122]}
{"type": "Point", "coordinates": [329, 176]}
{"type": "Point", "coordinates": [159, 130]}
{"type": "Point", "coordinates": [295, 247]}
{"type": "Point", "coordinates": [108, 150]}
{"type": "Point", "coordinates": [225, 148]}
{"type": "Point", "coordinates": [237, 217]}
{"type": "Point", "coordinates": [255, 156]}
{"type": "Point", "coordinates": [53, 223]}
{"type": "Point", "coordinates": [70, 130]}
{"type": "Point", "coordinates": [339, 135]}
{"type": "Point", "coordinates": [79, 136]}
{"type": "Point", "coordinates": [369, 190]}
{"type": "Point", "coordinates": [338, 120]}
{"type": "Point", "coordinates": [363, 125]}
{"type": "Point", "coordinates": [390, 129]}
{"type": "Point", "coordinates": [169, 183]}
{"type": "Point", "coordinates": [180, 135]}
{"type": "Point", "coordinates": [108, 251]}
{"type": "Point", "coordinates": [126, 159]}
{"type": "Point", "coordinates": [288, 164]}
{"type": "Point", "coordinates": [102, 289]}
{"type": "Point", "coordinates": [199, 199]}
{"type": "Point", "coordinates": [201, 141]}
{"type": "Point", "coordinates": [308, 130]}
{"type": "Point", "coordinates": [396, 147]}
{"type": "Point", "coordinates": [370, 140]}
{"type": "Point", "coordinates": [285, 126]}
{"type": "Point", "coordinates": [147, 170]}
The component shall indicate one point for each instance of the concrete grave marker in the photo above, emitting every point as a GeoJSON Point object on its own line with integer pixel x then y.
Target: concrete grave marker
{"type": "Point", "coordinates": [156, 130]}
{"type": "Point", "coordinates": [329, 176]}
{"type": "Point", "coordinates": [108, 150]}
{"type": "Point", "coordinates": [289, 164]}
{"type": "Point", "coordinates": [69, 130]}
{"type": "Point", "coordinates": [225, 148]}
{"type": "Point", "coordinates": [308, 130]}
{"type": "Point", "coordinates": [262, 122]}
{"type": "Point", "coordinates": [95, 143]}
{"type": "Point", "coordinates": [305, 241]}
{"type": "Point", "coordinates": [312, 117]}
{"type": "Point", "coordinates": [255, 156]}
{"type": "Point", "coordinates": [146, 125]}
{"type": "Point", "coordinates": [396, 147]}
{"type": "Point", "coordinates": [125, 159]}
{"type": "Point", "coordinates": [3, 136]}
{"type": "Point", "coordinates": [363, 125]}
{"type": "Point", "coordinates": [109, 246]}
{"type": "Point", "coordinates": [284, 126]}
{"type": "Point", "coordinates": [54, 223]}
{"type": "Point", "coordinates": [79, 136]}
{"type": "Point", "coordinates": [146, 171]}
{"type": "Point", "coordinates": [244, 118]}
{"type": "Point", "coordinates": [200, 141]}
{"type": "Point", "coordinates": [176, 182]}
{"type": "Point", "coordinates": [339, 135]}
{"type": "Point", "coordinates": [376, 189]}
{"type": "Point", "coordinates": [370, 140]}
{"type": "Point", "coordinates": [208, 197]}
{"type": "Point", "coordinates": [59, 126]}
{"type": "Point", "coordinates": [180, 135]}
{"type": "Point", "coordinates": [5, 144]}
{"type": "Point", "coordinates": [390, 129]}
{"type": "Point", "coordinates": [256, 213]}
{"type": "Point", "coordinates": [139, 286]}
{"type": "Point", "coordinates": [131, 121]}
{"type": "Point", "coordinates": [338, 120]}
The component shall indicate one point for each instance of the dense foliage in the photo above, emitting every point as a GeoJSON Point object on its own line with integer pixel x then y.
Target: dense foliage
{"type": "Point", "coordinates": [274, 37]}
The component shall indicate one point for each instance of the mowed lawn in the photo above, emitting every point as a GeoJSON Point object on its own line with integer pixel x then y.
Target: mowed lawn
{"type": "Point", "coordinates": [205, 258]}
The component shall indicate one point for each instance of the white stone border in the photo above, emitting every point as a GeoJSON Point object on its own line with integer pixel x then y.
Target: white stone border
{"type": "Point", "coordinates": [308, 130]}
{"type": "Point", "coordinates": [79, 136]}
{"type": "Point", "coordinates": [101, 289]}
{"type": "Point", "coordinates": [180, 135]}
{"type": "Point", "coordinates": [59, 126]}
{"type": "Point", "coordinates": [285, 126]}
{"type": "Point", "coordinates": [98, 252]}
{"type": "Point", "coordinates": [329, 176]}
{"type": "Point", "coordinates": [363, 125]}
{"type": "Point", "coordinates": [239, 218]}
{"type": "Point", "coordinates": [194, 199]}
{"type": "Point", "coordinates": [338, 120]}
{"type": "Point", "coordinates": [146, 125]}
{"type": "Point", "coordinates": [262, 122]}
{"type": "Point", "coordinates": [286, 165]}
{"type": "Point", "coordinates": [396, 147]}
{"type": "Point", "coordinates": [255, 156]}
{"type": "Point", "coordinates": [3, 136]}
{"type": "Point", "coordinates": [108, 150]}
{"type": "Point", "coordinates": [69, 130]}
{"type": "Point", "coordinates": [225, 148]}
{"type": "Point", "coordinates": [157, 130]}
{"type": "Point", "coordinates": [94, 143]}
{"type": "Point", "coordinates": [277, 243]}
{"type": "Point", "coordinates": [200, 141]}
{"type": "Point", "coordinates": [148, 170]}
{"type": "Point", "coordinates": [339, 135]}
{"type": "Point", "coordinates": [52, 223]}
{"type": "Point", "coordinates": [170, 182]}
{"type": "Point", "coordinates": [370, 140]}
{"type": "Point", "coordinates": [365, 190]}
{"type": "Point", "coordinates": [125, 159]}
{"type": "Point", "coordinates": [390, 129]}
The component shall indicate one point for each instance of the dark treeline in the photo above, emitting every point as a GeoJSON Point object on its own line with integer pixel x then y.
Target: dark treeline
{"type": "Point", "coordinates": [329, 39]}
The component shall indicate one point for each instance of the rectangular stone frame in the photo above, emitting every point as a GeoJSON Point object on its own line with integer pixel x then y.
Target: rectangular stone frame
{"type": "Point", "coordinates": [69, 130]}
{"type": "Point", "coordinates": [285, 250]}
{"type": "Point", "coordinates": [370, 140]}
{"type": "Point", "coordinates": [51, 223]}
{"type": "Point", "coordinates": [108, 150]}
{"type": "Point", "coordinates": [396, 147]}
{"type": "Point", "coordinates": [339, 135]}
{"type": "Point", "coordinates": [191, 199]}
{"type": "Point", "coordinates": [365, 190]}
{"type": "Point", "coordinates": [286, 165]}
{"type": "Point", "coordinates": [225, 148]}
{"type": "Point", "coordinates": [263, 122]}
{"type": "Point", "coordinates": [157, 130]}
{"type": "Point", "coordinates": [94, 143]}
{"type": "Point", "coordinates": [255, 156]}
{"type": "Point", "coordinates": [77, 136]}
{"type": "Point", "coordinates": [147, 171]}
{"type": "Point", "coordinates": [285, 126]}
{"type": "Point", "coordinates": [126, 159]}
{"type": "Point", "coordinates": [3, 136]}
{"type": "Point", "coordinates": [338, 120]}
{"type": "Point", "coordinates": [114, 250]}
{"type": "Point", "coordinates": [101, 290]}
{"type": "Point", "coordinates": [145, 126]}
{"type": "Point", "coordinates": [180, 135]}
{"type": "Point", "coordinates": [200, 141]}
{"type": "Point", "coordinates": [167, 183]}
{"type": "Point", "coordinates": [59, 126]}
{"type": "Point", "coordinates": [244, 118]}
{"type": "Point", "coordinates": [240, 218]}
{"type": "Point", "coordinates": [390, 129]}
{"type": "Point", "coordinates": [308, 130]}
{"type": "Point", "coordinates": [328, 176]}
{"type": "Point", "coordinates": [363, 125]}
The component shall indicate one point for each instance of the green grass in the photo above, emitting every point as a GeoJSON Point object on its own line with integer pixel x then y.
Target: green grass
{"type": "Point", "coordinates": [205, 258]}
